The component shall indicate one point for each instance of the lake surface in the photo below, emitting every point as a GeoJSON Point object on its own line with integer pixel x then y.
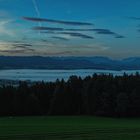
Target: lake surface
{"type": "Point", "coordinates": [52, 75]}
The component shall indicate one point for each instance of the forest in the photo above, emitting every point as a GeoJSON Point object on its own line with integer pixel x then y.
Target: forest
{"type": "Point", "coordinates": [97, 95]}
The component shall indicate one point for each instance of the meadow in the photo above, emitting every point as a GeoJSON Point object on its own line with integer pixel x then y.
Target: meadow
{"type": "Point", "coordinates": [69, 128]}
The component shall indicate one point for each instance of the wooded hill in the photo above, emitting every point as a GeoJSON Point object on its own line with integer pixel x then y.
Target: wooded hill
{"type": "Point", "coordinates": [99, 95]}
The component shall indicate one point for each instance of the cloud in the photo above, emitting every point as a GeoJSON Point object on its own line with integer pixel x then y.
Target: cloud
{"type": "Point", "coordinates": [48, 32]}
{"type": "Point", "coordinates": [101, 30]}
{"type": "Point", "coordinates": [74, 23]}
{"type": "Point", "coordinates": [120, 36]}
{"type": "Point", "coordinates": [59, 29]}
{"type": "Point", "coordinates": [19, 47]}
{"type": "Point", "coordinates": [15, 42]}
{"type": "Point", "coordinates": [81, 30]}
{"type": "Point", "coordinates": [37, 10]}
{"type": "Point", "coordinates": [60, 38]}
{"type": "Point", "coordinates": [75, 34]}
{"type": "Point", "coordinates": [108, 32]}
{"type": "Point", "coordinates": [15, 48]}
{"type": "Point", "coordinates": [52, 30]}
{"type": "Point", "coordinates": [21, 51]}
{"type": "Point", "coordinates": [47, 28]}
{"type": "Point", "coordinates": [134, 18]}
{"type": "Point", "coordinates": [4, 45]}
{"type": "Point", "coordinates": [12, 51]}
{"type": "Point", "coordinates": [63, 53]}
{"type": "Point", "coordinates": [96, 47]}
{"type": "Point", "coordinates": [24, 48]}
{"type": "Point", "coordinates": [44, 40]}
{"type": "Point", "coordinates": [4, 30]}
{"type": "Point", "coordinates": [22, 44]}
{"type": "Point", "coordinates": [104, 31]}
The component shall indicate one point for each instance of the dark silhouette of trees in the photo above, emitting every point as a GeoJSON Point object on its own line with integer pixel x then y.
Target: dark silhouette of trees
{"type": "Point", "coordinates": [98, 95]}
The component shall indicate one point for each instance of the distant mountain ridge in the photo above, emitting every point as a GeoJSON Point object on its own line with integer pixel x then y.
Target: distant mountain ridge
{"type": "Point", "coordinates": [38, 62]}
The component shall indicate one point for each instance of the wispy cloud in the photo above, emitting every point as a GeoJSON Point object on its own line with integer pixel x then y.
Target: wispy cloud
{"type": "Point", "coordinates": [108, 32]}
{"type": "Point", "coordinates": [74, 23]}
{"type": "Point", "coordinates": [37, 11]}
{"type": "Point", "coordinates": [23, 48]}
{"type": "Point", "coordinates": [60, 38]}
{"type": "Point", "coordinates": [75, 34]}
{"type": "Point", "coordinates": [104, 31]}
{"type": "Point", "coordinates": [72, 34]}
{"type": "Point", "coordinates": [36, 8]}
{"type": "Point", "coordinates": [60, 29]}
{"type": "Point", "coordinates": [15, 48]}
{"type": "Point", "coordinates": [54, 31]}
{"type": "Point", "coordinates": [134, 18]}
{"type": "Point", "coordinates": [138, 30]}
{"type": "Point", "coordinates": [12, 51]}
{"type": "Point", "coordinates": [44, 40]}
{"type": "Point", "coordinates": [62, 53]}
{"type": "Point", "coordinates": [22, 44]}
{"type": "Point", "coordinates": [15, 51]}
{"type": "Point", "coordinates": [48, 28]}
{"type": "Point", "coordinates": [119, 36]}
{"type": "Point", "coordinates": [4, 29]}
{"type": "Point", "coordinates": [95, 47]}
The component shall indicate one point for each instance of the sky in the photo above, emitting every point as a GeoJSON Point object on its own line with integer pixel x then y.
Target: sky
{"type": "Point", "coordinates": [70, 28]}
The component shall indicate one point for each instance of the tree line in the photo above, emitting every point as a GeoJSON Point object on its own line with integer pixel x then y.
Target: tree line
{"type": "Point", "coordinates": [97, 95]}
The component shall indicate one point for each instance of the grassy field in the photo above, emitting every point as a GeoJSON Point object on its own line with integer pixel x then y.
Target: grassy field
{"type": "Point", "coordinates": [69, 128]}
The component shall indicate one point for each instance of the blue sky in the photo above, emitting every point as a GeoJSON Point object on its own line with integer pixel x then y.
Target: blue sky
{"type": "Point", "coordinates": [70, 28]}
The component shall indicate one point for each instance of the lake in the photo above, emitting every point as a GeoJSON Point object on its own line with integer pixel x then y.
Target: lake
{"type": "Point", "coordinates": [52, 75]}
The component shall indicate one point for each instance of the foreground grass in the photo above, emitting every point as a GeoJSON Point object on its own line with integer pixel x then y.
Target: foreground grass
{"type": "Point", "coordinates": [69, 128]}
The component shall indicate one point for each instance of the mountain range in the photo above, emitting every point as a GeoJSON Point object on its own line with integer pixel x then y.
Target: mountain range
{"type": "Point", "coordinates": [39, 62]}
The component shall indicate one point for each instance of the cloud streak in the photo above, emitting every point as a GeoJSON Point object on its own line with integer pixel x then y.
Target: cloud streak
{"type": "Point", "coordinates": [108, 32]}
{"type": "Point", "coordinates": [53, 30]}
{"type": "Point", "coordinates": [60, 38]}
{"type": "Point", "coordinates": [74, 23]}
{"type": "Point", "coordinates": [15, 51]}
{"type": "Point", "coordinates": [119, 36]}
{"type": "Point", "coordinates": [61, 31]}
{"type": "Point", "coordinates": [19, 44]}
{"type": "Point", "coordinates": [134, 18]}
{"type": "Point", "coordinates": [59, 53]}
{"type": "Point", "coordinates": [37, 11]}
{"type": "Point", "coordinates": [9, 48]}
{"type": "Point", "coordinates": [36, 7]}
{"type": "Point", "coordinates": [22, 47]}
{"type": "Point", "coordinates": [75, 34]}
{"type": "Point", "coordinates": [47, 28]}
{"type": "Point", "coordinates": [72, 34]}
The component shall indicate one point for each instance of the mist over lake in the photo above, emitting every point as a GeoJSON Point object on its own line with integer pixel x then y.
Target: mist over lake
{"type": "Point", "coordinates": [52, 75]}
